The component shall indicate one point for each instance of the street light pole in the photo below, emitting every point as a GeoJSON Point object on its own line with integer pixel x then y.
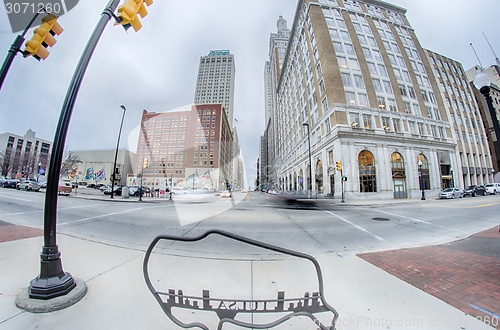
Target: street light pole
{"type": "Point", "coordinates": [452, 179]}
{"type": "Point", "coordinates": [116, 152]}
{"type": "Point", "coordinates": [310, 166]}
{"type": "Point", "coordinates": [482, 82]}
{"type": "Point", "coordinates": [53, 281]}
{"type": "Point", "coordinates": [421, 179]}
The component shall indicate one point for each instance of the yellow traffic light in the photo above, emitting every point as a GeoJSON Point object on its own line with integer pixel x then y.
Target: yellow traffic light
{"type": "Point", "coordinates": [43, 37]}
{"type": "Point", "coordinates": [145, 163]}
{"type": "Point", "coordinates": [129, 10]}
{"type": "Point", "coordinates": [339, 166]}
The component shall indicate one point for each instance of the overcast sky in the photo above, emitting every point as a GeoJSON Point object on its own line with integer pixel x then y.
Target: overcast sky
{"type": "Point", "coordinates": [156, 68]}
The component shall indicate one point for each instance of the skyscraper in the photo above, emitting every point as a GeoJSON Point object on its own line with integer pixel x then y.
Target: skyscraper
{"type": "Point", "coordinates": [468, 131]}
{"type": "Point", "coordinates": [215, 82]}
{"type": "Point", "coordinates": [356, 77]}
{"type": "Point", "coordinates": [185, 146]}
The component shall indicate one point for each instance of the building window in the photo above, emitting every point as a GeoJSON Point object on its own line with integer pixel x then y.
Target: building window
{"type": "Point", "coordinates": [367, 172]}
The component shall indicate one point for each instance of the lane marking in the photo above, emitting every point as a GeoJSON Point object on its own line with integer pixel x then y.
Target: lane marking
{"type": "Point", "coordinates": [99, 216]}
{"type": "Point", "coordinates": [462, 206]}
{"type": "Point", "coordinates": [19, 199]}
{"type": "Point", "coordinates": [107, 215]}
{"type": "Point", "coordinates": [422, 221]}
{"type": "Point", "coordinates": [360, 228]}
{"type": "Point", "coordinates": [41, 210]}
{"type": "Point", "coordinates": [364, 248]}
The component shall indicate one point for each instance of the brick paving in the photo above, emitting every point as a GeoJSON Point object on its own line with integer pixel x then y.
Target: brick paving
{"type": "Point", "coordinates": [465, 274]}
{"type": "Point", "coordinates": [10, 232]}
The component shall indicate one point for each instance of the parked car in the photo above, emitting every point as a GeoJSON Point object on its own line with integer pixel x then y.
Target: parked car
{"type": "Point", "coordinates": [103, 188]}
{"type": "Point", "coordinates": [493, 188]}
{"type": "Point", "coordinates": [135, 191]}
{"type": "Point", "coordinates": [28, 184]}
{"type": "Point", "coordinates": [42, 184]}
{"type": "Point", "coordinates": [10, 183]}
{"type": "Point", "coordinates": [451, 193]}
{"type": "Point", "coordinates": [475, 190]}
{"type": "Point", "coordinates": [117, 191]}
{"type": "Point", "coordinates": [64, 188]}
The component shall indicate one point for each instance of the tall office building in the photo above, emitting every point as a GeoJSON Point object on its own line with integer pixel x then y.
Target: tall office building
{"type": "Point", "coordinates": [355, 73]}
{"type": "Point", "coordinates": [493, 73]}
{"type": "Point", "coordinates": [187, 147]}
{"type": "Point", "coordinates": [278, 44]}
{"type": "Point", "coordinates": [24, 156]}
{"type": "Point", "coordinates": [215, 82]}
{"type": "Point", "coordinates": [473, 155]}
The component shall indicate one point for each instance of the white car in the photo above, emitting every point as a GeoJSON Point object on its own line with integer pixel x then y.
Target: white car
{"type": "Point", "coordinates": [28, 184]}
{"type": "Point", "coordinates": [493, 188]}
{"type": "Point", "coordinates": [178, 191]}
{"type": "Point", "coordinates": [451, 193]}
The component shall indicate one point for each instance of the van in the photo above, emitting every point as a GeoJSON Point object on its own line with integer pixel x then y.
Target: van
{"type": "Point", "coordinates": [64, 188]}
{"type": "Point", "coordinates": [493, 188]}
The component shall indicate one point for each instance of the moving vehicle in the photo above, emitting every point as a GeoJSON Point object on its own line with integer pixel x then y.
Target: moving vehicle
{"type": "Point", "coordinates": [64, 188]}
{"type": "Point", "coordinates": [493, 188]}
{"type": "Point", "coordinates": [475, 190]}
{"type": "Point", "coordinates": [451, 193]}
{"type": "Point", "coordinates": [226, 193]}
{"type": "Point", "coordinates": [28, 184]}
{"type": "Point", "coordinates": [178, 191]}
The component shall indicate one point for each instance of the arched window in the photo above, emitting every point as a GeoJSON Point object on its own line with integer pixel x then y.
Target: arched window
{"type": "Point", "coordinates": [423, 172]}
{"type": "Point", "coordinates": [397, 162]}
{"type": "Point", "coordinates": [367, 173]}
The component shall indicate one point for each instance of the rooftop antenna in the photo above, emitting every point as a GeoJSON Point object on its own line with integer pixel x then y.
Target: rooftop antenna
{"type": "Point", "coordinates": [496, 57]}
{"type": "Point", "coordinates": [481, 64]}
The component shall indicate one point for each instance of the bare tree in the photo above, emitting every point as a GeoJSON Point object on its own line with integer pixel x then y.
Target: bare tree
{"type": "Point", "coordinates": [5, 164]}
{"type": "Point", "coordinates": [69, 164]}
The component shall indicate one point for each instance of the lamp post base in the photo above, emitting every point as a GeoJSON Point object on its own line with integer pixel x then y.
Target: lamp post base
{"type": "Point", "coordinates": [52, 281]}
{"type": "Point", "coordinates": [31, 305]}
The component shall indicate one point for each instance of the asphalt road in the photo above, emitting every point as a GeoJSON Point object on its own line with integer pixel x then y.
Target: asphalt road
{"type": "Point", "coordinates": [328, 228]}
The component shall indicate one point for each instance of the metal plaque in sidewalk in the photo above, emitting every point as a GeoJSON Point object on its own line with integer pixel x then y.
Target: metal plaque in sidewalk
{"type": "Point", "coordinates": [228, 309]}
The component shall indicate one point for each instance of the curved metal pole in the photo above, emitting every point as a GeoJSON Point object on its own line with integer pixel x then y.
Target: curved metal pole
{"type": "Point", "coordinates": [53, 281]}
{"type": "Point", "coordinates": [116, 153]}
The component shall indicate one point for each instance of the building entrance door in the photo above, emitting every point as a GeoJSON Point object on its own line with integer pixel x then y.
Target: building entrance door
{"type": "Point", "coordinates": [399, 189]}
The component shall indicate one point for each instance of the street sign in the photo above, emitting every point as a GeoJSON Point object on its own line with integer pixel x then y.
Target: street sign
{"type": "Point", "coordinates": [139, 175]}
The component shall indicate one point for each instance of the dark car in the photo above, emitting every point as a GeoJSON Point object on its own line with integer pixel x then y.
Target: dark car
{"type": "Point", "coordinates": [10, 183]}
{"type": "Point", "coordinates": [475, 190]}
{"type": "Point", "coordinates": [117, 191]}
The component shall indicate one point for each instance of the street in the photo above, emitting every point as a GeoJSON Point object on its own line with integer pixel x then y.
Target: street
{"type": "Point", "coordinates": [328, 228]}
{"type": "Point", "coordinates": [331, 232]}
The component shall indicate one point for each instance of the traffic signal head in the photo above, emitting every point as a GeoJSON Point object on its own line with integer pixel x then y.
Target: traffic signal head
{"type": "Point", "coordinates": [43, 37]}
{"type": "Point", "coordinates": [129, 10]}
{"type": "Point", "coordinates": [145, 163]}
{"type": "Point", "coordinates": [339, 166]}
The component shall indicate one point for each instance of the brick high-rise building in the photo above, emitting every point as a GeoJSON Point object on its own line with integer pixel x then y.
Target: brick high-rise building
{"type": "Point", "coordinates": [186, 147]}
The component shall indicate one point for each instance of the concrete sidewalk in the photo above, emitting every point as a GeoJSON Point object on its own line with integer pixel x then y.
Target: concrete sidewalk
{"type": "Point", "coordinates": [365, 296]}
